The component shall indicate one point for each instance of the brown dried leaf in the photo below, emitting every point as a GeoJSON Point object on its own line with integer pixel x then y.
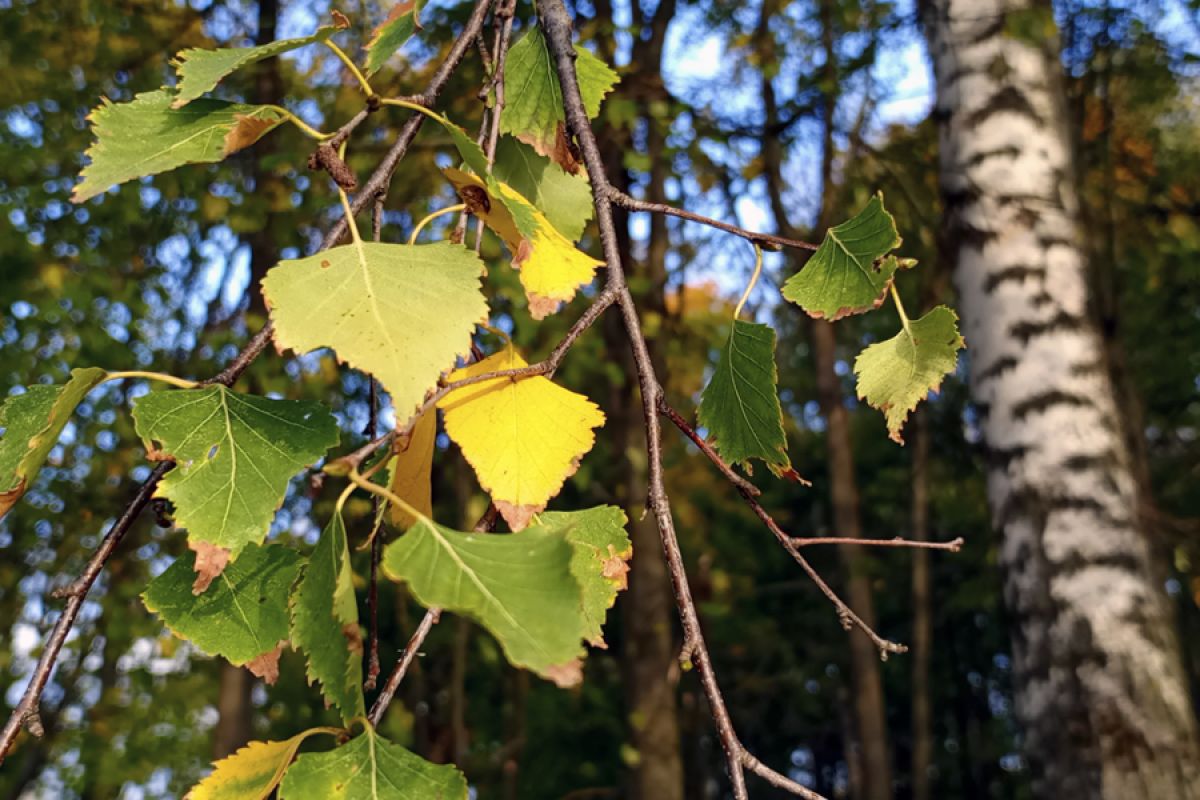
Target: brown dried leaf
{"type": "Point", "coordinates": [211, 561]}
{"type": "Point", "coordinates": [266, 665]}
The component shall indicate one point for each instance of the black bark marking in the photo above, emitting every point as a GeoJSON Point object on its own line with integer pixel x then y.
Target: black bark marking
{"type": "Point", "coordinates": [1009, 99]}
{"type": "Point", "coordinates": [1018, 274]}
{"type": "Point", "coordinates": [1044, 401]}
{"type": "Point", "coordinates": [998, 368]}
{"type": "Point", "coordinates": [1025, 332]}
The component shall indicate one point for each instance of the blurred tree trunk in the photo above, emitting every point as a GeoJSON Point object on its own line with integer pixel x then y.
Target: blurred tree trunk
{"type": "Point", "coordinates": [1100, 688]}
{"type": "Point", "coordinates": [871, 759]}
{"type": "Point", "coordinates": [234, 724]}
{"type": "Point", "coordinates": [649, 648]}
{"type": "Point", "coordinates": [922, 637]}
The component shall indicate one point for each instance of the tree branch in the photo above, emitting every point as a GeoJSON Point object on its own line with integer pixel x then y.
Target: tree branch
{"type": "Point", "coordinates": [556, 24]}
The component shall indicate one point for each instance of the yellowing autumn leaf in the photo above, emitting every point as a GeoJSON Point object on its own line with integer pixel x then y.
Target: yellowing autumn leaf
{"type": "Point", "coordinates": [412, 471]}
{"type": "Point", "coordinates": [253, 771]}
{"type": "Point", "coordinates": [552, 269]}
{"type": "Point", "coordinates": [523, 437]}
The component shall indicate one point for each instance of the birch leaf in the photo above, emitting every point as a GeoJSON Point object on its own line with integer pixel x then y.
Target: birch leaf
{"type": "Point", "coordinates": [146, 136]}
{"type": "Point", "coordinates": [200, 70]}
{"type": "Point", "coordinates": [552, 269]}
{"type": "Point", "coordinates": [412, 471]}
{"type": "Point", "coordinates": [235, 454]}
{"type": "Point", "coordinates": [518, 586]}
{"type": "Point", "coordinates": [253, 771]}
{"type": "Point", "coordinates": [600, 561]}
{"type": "Point", "coordinates": [324, 622]}
{"type": "Point", "coordinates": [242, 616]}
{"type": "Point", "coordinates": [533, 109]}
{"type": "Point", "coordinates": [740, 406]}
{"type": "Point", "coordinates": [401, 23]}
{"type": "Point", "coordinates": [564, 199]}
{"type": "Point", "coordinates": [32, 423]}
{"type": "Point", "coordinates": [851, 271]}
{"type": "Point", "coordinates": [369, 767]}
{"type": "Point", "coordinates": [894, 376]}
{"type": "Point", "coordinates": [523, 437]}
{"type": "Point", "coordinates": [403, 313]}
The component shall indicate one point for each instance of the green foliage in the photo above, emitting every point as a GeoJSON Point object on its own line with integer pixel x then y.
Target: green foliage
{"type": "Point", "coordinates": [599, 561]}
{"type": "Point", "coordinates": [242, 615]}
{"type": "Point", "coordinates": [235, 455]}
{"type": "Point", "coordinates": [147, 136]}
{"type": "Point", "coordinates": [894, 376]}
{"type": "Point", "coordinates": [740, 405]}
{"type": "Point", "coordinates": [325, 622]}
{"type": "Point", "coordinates": [533, 110]}
{"type": "Point", "coordinates": [849, 273]}
{"type": "Point", "coordinates": [565, 199]}
{"type": "Point", "coordinates": [520, 587]}
{"type": "Point", "coordinates": [369, 767]}
{"type": "Point", "coordinates": [253, 771]}
{"type": "Point", "coordinates": [403, 313]}
{"type": "Point", "coordinates": [32, 423]}
{"type": "Point", "coordinates": [201, 70]}
{"type": "Point", "coordinates": [401, 23]}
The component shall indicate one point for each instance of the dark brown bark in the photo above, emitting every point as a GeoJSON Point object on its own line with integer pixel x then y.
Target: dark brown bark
{"type": "Point", "coordinates": [234, 721]}
{"type": "Point", "coordinates": [268, 88]}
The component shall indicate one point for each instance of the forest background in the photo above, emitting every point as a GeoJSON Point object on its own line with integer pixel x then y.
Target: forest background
{"type": "Point", "coordinates": [780, 117]}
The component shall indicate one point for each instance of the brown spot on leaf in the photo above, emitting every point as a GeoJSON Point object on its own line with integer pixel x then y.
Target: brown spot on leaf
{"type": "Point", "coordinates": [791, 475]}
{"type": "Point", "coordinates": [266, 665]}
{"type": "Point", "coordinates": [211, 561]}
{"type": "Point", "coordinates": [566, 675]}
{"type": "Point", "coordinates": [565, 153]}
{"type": "Point", "coordinates": [9, 499]}
{"type": "Point", "coordinates": [340, 20]}
{"type": "Point", "coordinates": [325, 263]}
{"type": "Point", "coordinates": [542, 307]}
{"type": "Point", "coordinates": [517, 517]}
{"type": "Point", "coordinates": [616, 567]}
{"type": "Point", "coordinates": [476, 199]}
{"type": "Point", "coordinates": [524, 251]}
{"type": "Point", "coordinates": [246, 131]}
{"type": "Point", "coordinates": [353, 634]}
{"type": "Point", "coordinates": [398, 11]}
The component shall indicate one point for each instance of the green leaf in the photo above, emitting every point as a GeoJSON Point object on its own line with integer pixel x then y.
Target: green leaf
{"type": "Point", "coordinates": [235, 455]}
{"type": "Point", "coordinates": [518, 586]}
{"type": "Point", "coordinates": [740, 405]}
{"type": "Point", "coordinates": [849, 274]}
{"type": "Point", "coordinates": [894, 376]}
{"type": "Point", "coordinates": [200, 70]}
{"type": "Point", "coordinates": [32, 423]}
{"type": "Point", "coordinates": [600, 560]}
{"type": "Point", "coordinates": [146, 136]}
{"type": "Point", "coordinates": [401, 23]}
{"type": "Point", "coordinates": [325, 622]}
{"type": "Point", "coordinates": [369, 767]}
{"type": "Point", "coordinates": [242, 615]}
{"type": "Point", "coordinates": [565, 199]}
{"type": "Point", "coordinates": [403, 313]}
{"type": "Point", "coordinates": [533, 105]}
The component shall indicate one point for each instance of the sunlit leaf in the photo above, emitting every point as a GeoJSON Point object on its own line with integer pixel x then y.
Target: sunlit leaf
{"type": "Point", "coordinates": [369, 767]}
{"type": "Point", "coordinates": [518, 586]}
{"type": "Point", "coordinates": [524, 437]}
{"type": "Point", "coordinates": [242, 616]}
{"type": "Point", "coordinates": [324, 622]}
{"type": "Point", "coordinates": [565, 199]}
{"type": "Point", "coordinates": [32, 423]}
{"type": "Point", "coordinates": [740, 406]}
{"type": "Point", "coordinates": [401, 23]}
{"type": "Point", "coordinates": [894, 376]}
{"type": "Point", "coordinates": [403, 313]}
{"type": "Point", "coordinates": [235, 454]}
{"type": "Point", "coordinates": [533, 103]}
{"type": "Point", "coordinates": [146, 136]}
{"type": "Point", "coordinates": [253, 771]}
{"type": "Point", "coordinates": [200, 70]}
{"type": "Point", "coordinates": [412, 469]}
{"type": "Point", "coordinates": [600, 561]}
{"type": "Point", "coordinates": [851, 271]}
{"type": "Point", "coordinates": [552, 269]}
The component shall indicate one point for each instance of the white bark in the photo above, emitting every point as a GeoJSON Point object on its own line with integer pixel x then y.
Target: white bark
{"type": "Point", "coordinates": [1101, 692]}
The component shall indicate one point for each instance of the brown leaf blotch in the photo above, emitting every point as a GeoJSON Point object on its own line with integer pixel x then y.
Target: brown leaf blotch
{"type": "Point", "coordinates": [266, 665]}
{"type": "Point", "coordinates": [211, 561]}
{"type": "Point", "coordinates": [246, 131]}
{"type": "Point", "coordinates": [340, 20]}
{"type": "Point", "coordinates": [616, 567]}
{"type": "Point", "coordinates": [353, 635]}
{"type": "Point", "coordinates": [517, 517]}
{"type": "Point", "coordinates": [566, 675]}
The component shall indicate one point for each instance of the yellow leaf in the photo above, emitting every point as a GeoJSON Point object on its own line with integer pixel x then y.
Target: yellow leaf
{"type": "Point", "coordinates": [253, 771]}
{"type": "Point", "coordinates": [552, 269]}
{"type": "Point", "coordinates": [412, 471]}
{"type": "Point", "coordinates": [523, 437]}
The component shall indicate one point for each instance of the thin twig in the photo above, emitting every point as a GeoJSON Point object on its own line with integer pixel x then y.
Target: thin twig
{"type": "Point", "coordinates": [845, 613]}
{"type": "Point", "coordinates": [556, 24]}
{"type": "Point", "coordinates": [952, 546]}
{"type": "Point", "coordinates": [617, 197]}
{"type": "Point", "coordinates": [376, 540]}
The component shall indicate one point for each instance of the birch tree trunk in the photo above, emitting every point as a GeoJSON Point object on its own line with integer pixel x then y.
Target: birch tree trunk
{"type": "Point", "coordinates": [1100, 689]}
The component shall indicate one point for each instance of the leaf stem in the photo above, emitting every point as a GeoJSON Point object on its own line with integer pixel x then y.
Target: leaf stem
{"type": "Point", "coordinates": [304, 127]}
{"type": "Point", "coordinates": [354, 70]}
{"type": "Point", "coordinates": [182, 383]}
{"type": "Point", "coordinates": [447, 210]}
{"type": "Point", "coordinates": [400, 102]}
{"type": "Point", "coordinates": [900, 309]}
{"type": "Point", "coordinates": [758, 259]}
{"type": "Point", "coordinates": [387, 494]}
